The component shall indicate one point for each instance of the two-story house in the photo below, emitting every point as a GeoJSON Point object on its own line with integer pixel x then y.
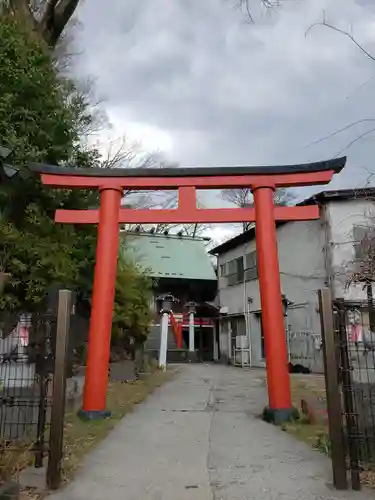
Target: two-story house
{"type": "Point", "coordinates": [312, 255]}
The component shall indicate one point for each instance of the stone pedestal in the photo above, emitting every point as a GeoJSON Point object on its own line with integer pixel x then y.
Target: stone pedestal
{"type": "Point", "coordinates": [123, 371]}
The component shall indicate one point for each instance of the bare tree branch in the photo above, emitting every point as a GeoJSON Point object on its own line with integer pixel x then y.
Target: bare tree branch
{"type": "Point", "coordinates": [360, 87]}
{"type": "Point", "coordinates": [123, 153]}
{"type": "Point", "coordinates": [368, 54]}
{"type": "Point", "coordinates": [50, 17]}
{"type": "Point", "coordinates": [343, 32]}
{"type": "Point", "coordinates": [239, 197]}
{"type": "Point", "coordinates": [244, 5]}
{"type": "Point", "coordinates": [243, 198]}
{"type": "Point", "coordinates": [339, 131]}
{"type": "Point", "coordinates": [361, 136]}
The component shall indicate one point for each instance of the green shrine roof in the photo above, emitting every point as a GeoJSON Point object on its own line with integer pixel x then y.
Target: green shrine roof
{"type": "Point", "coordinates": [170, 256]}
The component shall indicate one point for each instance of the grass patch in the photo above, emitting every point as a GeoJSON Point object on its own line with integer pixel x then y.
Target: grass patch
{"type": "Point", "coordinates": [309, 387]}
{"type": "Point", "coordinates": [81, 437]}
{"type": "Point", "coordinates": [303, 386]}
{"type": "Point", "coordinates": [14, 457]}
{"type": "Point", "coordinates": [316, 434]}
{"type": "Point", "coordinates": [313, 434]}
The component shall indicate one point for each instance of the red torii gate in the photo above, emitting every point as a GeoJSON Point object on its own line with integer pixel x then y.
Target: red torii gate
{"type": "Point", "coordinates": [111, 184]}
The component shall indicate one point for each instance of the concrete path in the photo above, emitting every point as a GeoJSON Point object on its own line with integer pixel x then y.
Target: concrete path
{"type": "Point", "coordinates": [199, 438]}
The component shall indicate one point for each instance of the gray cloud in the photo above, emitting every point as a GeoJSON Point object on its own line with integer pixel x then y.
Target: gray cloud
{"type": "Point", "coordinates": [232, 93]}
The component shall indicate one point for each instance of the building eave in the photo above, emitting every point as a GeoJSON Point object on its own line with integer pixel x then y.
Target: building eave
{"type": "Point", "coordinates": [317, 199]}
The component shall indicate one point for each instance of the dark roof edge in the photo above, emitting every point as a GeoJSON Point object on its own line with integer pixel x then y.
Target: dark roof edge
{"type": "Point", "coordinates": [339, 195]}
{"type": "Point", "coordinates": [335, 165]}
{"type": "Point", "coordinates": [169, 236]}
{"type": "Point", "coordinates": [316, 199]}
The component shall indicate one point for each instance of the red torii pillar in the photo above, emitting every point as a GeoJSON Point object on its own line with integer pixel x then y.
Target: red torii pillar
{"type": "Point", "coordinates": [112, 182]}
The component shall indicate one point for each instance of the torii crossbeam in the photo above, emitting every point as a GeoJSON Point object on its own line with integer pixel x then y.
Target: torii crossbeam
{"type": "Point", "coordinates": [111, 184]}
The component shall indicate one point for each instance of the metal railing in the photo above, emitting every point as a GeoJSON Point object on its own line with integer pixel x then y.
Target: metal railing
{"type": "Point", "coordinates": [33, 367]}
{"type": "Point", "coordinates": [349, 355]}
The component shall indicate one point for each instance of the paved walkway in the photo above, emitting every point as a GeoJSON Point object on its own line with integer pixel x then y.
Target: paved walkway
{"type": "Point", "coordinates": [199, 438]}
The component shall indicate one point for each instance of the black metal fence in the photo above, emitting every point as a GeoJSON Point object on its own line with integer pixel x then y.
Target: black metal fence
{"type": "Point", "coordinates": [356, 344]}
{"type": "Point", "coordinates": [26, 363]}
{"type": "Point", "coordinates": [349, 350]}
{"type": "Point", "coordinates": [33, 372]}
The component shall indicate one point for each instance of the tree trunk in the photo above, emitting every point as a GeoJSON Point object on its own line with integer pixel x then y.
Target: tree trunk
{"type": "Point", "coordinates": [20, 10]}
{"type": "Point", "coordinates": [57, 15]}
{"type": "Point", "coordinates": [53, 19]}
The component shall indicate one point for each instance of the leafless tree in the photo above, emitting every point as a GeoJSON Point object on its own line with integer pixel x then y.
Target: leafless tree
{"type": "Point", "coordinates": [246, 6]}
{"type": "Point", "coordinates": [244, 198]}
{"type": "Point", "coordinates": [125, 153]}
{"type": "Point", "coordinates": [49, 18]}
{"type": "Point", "coordinates": [362, 269]}
{"type": "Point", "coordinates": [350, 36]}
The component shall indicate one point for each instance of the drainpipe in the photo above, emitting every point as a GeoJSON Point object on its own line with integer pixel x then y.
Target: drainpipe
{"type": "Point", "coordinates": [246, 310]}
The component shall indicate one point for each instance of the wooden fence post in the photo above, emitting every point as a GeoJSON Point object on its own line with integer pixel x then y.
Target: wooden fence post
{"type": "Point", "coordinates": [59, 388]}
{"type": "Point", "coordinates": [336, 434]}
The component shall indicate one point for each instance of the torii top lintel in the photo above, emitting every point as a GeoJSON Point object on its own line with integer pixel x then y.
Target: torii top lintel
{"type": "Point", "coordinates": [187, 180]}
{"type": "Point", "coordinates": [199, 177]}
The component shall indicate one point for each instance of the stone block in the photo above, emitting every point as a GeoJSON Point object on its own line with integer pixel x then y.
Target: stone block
{"type": "Point", "coordinates": [123, 371]}
{"type": "Point", "coordinates": [314, 410]}
{"type": "Point", "coordinates": [74, 392]}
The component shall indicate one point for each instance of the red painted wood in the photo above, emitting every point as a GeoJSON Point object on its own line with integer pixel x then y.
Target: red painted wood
{"type": "Point", "coordinates": [187, 198]}
{"type": "Point", "coordinates": [177, 331]}
{"type": "Point", "coordinates": [187, 216]}
{"type": "Point", "coordinates": [96, 377]}
{"type": "Point", "coordinates": [171, 183]}
{"type": "Point", "coordinates": [270, 296]}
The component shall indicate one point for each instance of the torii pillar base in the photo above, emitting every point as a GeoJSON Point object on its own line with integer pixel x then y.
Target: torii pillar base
{"type": "Point", "coordinates": [278, 417]}
{"type": "Point", "coordinates": [87, 415]}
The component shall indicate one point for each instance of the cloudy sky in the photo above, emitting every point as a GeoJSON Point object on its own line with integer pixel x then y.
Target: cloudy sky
{"type": "Point", "coordinates": [194, 79]}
